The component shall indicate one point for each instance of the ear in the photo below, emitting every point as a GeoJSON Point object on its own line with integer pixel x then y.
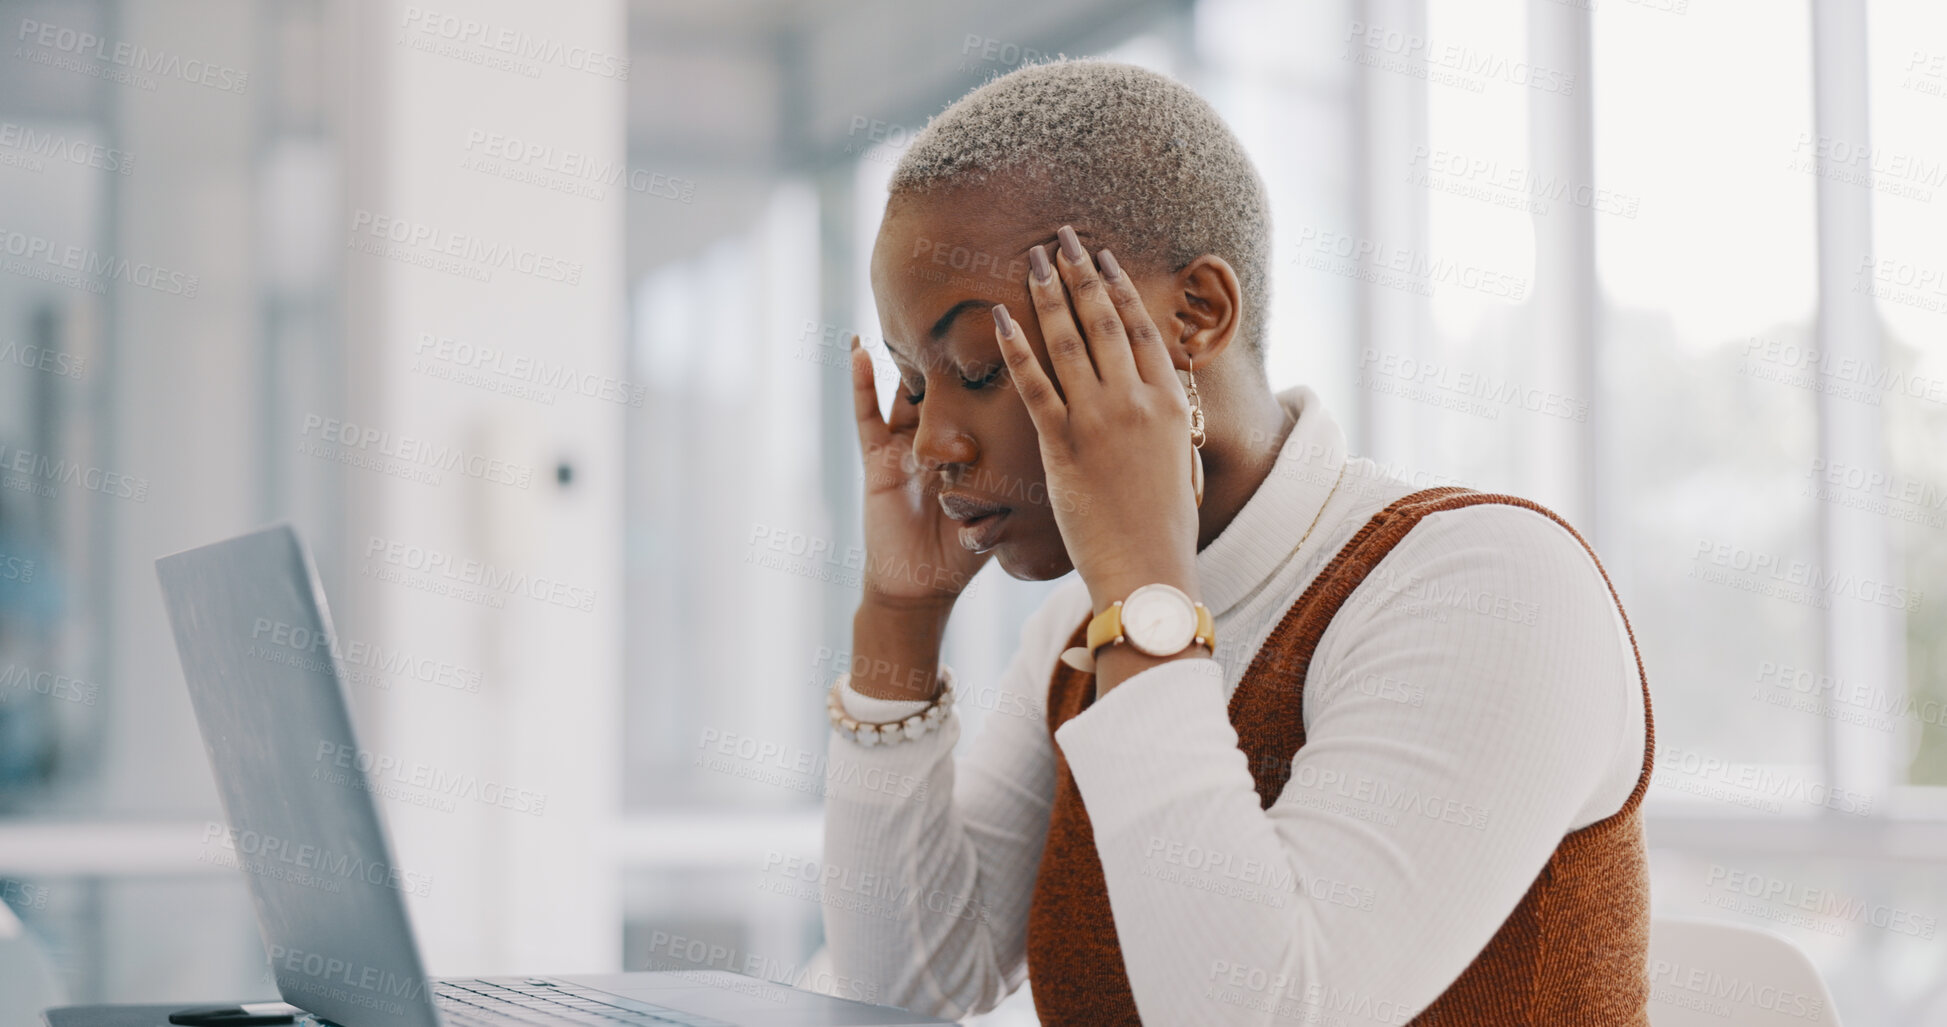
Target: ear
{"type": "Point", "coordinates": [1207, 309]}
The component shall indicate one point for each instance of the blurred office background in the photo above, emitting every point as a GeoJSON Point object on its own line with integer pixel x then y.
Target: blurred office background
{"type": "Point", "coordinates": [1672, 267]}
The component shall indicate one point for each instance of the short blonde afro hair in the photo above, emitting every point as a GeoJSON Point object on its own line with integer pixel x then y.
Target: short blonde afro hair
{"type": "Point", "coordinates": [1135, 156]}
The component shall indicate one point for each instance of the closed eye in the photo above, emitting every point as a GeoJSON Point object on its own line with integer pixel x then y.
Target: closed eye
{"type": "Point", "coordinates": [970, 384]}
{"type": "Point", "coordinates": [985, 381]}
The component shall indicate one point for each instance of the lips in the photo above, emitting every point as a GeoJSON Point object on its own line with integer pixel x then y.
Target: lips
{"type": "Point", "coordinates": [959, 506]}
{"type": "Point", "coordinates": [981, 521]}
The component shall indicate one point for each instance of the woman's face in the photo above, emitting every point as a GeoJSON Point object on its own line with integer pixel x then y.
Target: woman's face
{"type": "Point", "coordinates": [940, 264]}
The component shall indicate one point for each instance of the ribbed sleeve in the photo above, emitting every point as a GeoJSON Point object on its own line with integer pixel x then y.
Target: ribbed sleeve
{"type": "Point", "coordinates": [956, 858]}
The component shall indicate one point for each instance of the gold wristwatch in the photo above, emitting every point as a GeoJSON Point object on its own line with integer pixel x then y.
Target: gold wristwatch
{"type": "Point", "coordinates": [1156, 620]}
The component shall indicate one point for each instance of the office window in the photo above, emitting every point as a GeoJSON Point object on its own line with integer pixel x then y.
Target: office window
{"type": "Point", "coordinates": [727, 532]}
{"type": "Point", "coordinates": [1903, 167]}
{"type": "Point", "coordinates": [1706, 445]}
{"type": "Point", "coordinates": [1462, 396]}
{"type": "Point", "coordinates": [1716, 474]}
{"type": "Point", "coordinates": [190, 392]}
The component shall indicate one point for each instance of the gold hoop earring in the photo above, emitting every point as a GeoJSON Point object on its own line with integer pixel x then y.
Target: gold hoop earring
{"type": "Point", "coordinates": [1196, 434]}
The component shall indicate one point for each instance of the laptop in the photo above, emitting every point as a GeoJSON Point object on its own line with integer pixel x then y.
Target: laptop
{"type": "Point", "coordinates": [314, 853]}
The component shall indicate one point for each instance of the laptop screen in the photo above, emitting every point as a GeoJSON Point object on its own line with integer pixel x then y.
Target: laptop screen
{"type": "Point", "coordinates": [254, 636]}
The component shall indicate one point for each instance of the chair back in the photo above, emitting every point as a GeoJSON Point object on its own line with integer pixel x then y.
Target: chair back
{"type": "Point", "coordinates": [1708, 972]}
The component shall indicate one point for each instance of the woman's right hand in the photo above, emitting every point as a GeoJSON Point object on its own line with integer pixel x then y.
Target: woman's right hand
{"type": "Point", "coordinates": [912, 549]}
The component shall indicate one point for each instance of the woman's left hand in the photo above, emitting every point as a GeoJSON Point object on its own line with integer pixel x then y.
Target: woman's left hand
{"type": "Point", "coordinates": [1115, 439]}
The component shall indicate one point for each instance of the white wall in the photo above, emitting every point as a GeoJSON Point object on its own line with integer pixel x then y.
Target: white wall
{"type": "Point", "coordinates": [512, 889]}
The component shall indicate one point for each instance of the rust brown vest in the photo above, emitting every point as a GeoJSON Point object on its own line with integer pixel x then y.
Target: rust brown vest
{"type": "Point", "coordinates": [1573, 952]}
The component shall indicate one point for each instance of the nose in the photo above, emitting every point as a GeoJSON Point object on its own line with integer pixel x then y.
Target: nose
{"type": "Point", "coordinates": [939, 442]}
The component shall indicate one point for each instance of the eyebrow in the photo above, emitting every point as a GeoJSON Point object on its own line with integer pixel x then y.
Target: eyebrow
{"type": "Point", "coordinates": [946, 320]}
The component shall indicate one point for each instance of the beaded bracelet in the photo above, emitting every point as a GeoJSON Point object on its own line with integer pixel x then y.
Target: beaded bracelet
{"type": "Point", "coordinates": [893, 731]}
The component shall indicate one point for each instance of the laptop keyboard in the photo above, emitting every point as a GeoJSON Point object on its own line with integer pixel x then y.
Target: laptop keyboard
{"type": "Point", "coordinates": [496, 1004]}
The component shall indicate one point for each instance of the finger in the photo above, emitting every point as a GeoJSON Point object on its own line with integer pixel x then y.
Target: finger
{"type": "Point", "coordinates": [1037, 392]}
{"type": "Point", "coordinates": [865, 400]}
{"type": "Point", "coordinates": [1101, 322]}
{"type": "Point", "coordinates": [1146, 345]}
{"type": "Point", "coordinates": [882, 466]}
{"type": "Point", "coordinates": [1067, 351]}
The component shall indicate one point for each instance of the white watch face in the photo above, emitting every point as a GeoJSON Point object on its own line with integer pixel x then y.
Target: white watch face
{"type": "Point", "coordinates": [1159, 620]}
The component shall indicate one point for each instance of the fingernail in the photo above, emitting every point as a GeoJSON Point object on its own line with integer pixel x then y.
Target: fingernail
{"type": "Point", "coordinates": [1038, 261]}
{"type": "Point", "coordinates": [1071, 247]}
{"type": "Point", "coordinates": [1110, 269]}
{"type": "Point", "coordinates": [1002, 321]}
{"type": "Point", "coordinates": [855, 335]}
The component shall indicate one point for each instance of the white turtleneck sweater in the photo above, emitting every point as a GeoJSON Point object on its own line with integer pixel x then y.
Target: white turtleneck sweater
{"type": "Point", "coordinates": [1474, 701]}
